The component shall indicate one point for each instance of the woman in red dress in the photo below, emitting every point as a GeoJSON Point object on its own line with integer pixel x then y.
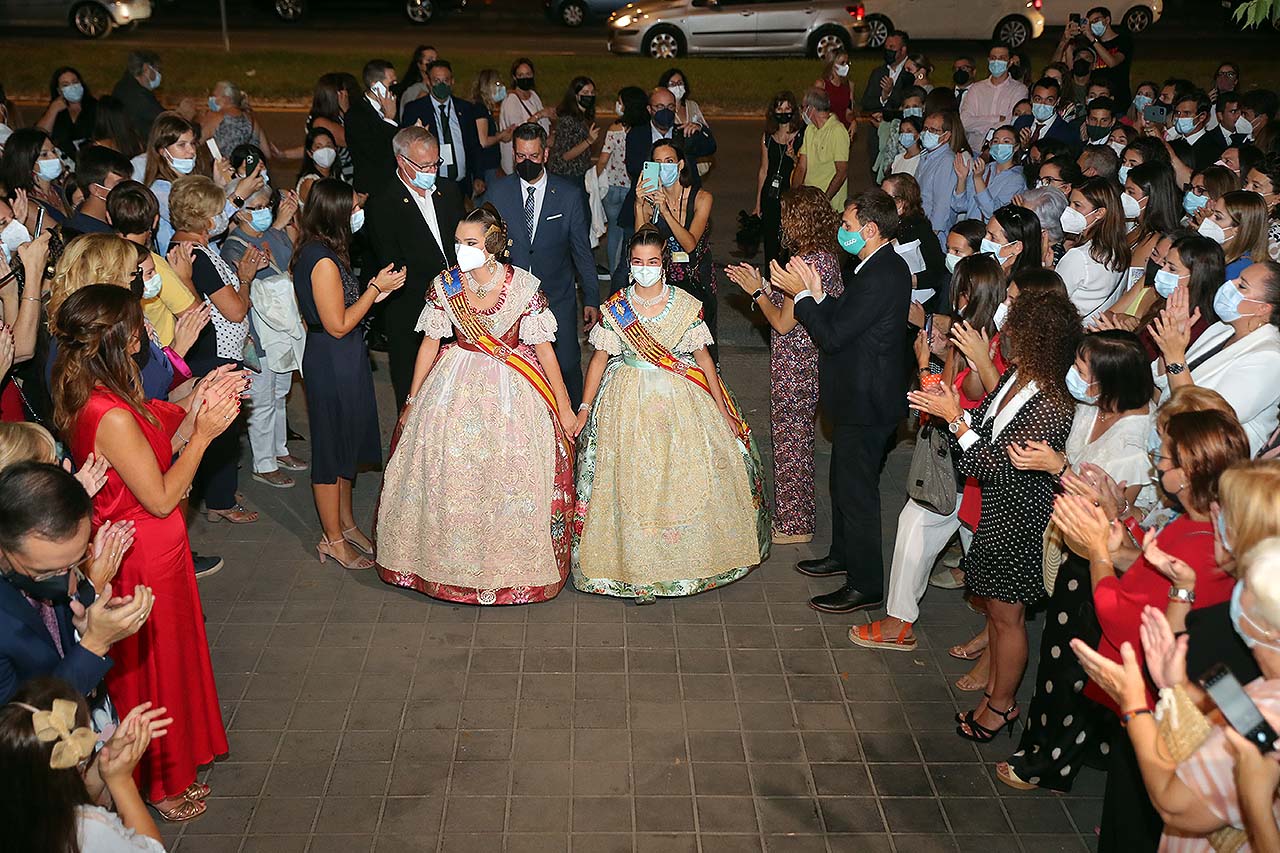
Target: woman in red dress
{"type": "Point", "coordinates": [99, 407]}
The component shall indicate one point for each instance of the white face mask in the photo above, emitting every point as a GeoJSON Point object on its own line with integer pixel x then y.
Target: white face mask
{"type": "Point", "coordinates": [677, 91]}
{"type": "Point", "coordinates": [1132, 210]}
{"type": "Point", "coordinates": [646, 276]}
{"type": "Point", "coordinates": [14, 235]}
{"type": "Point", "coordinates": [469, 257]}
{"type": "Point", "coordinates": [1002, 314]}
{"type": "Point", "coordinates": [1212, 230]}
{"type": "Point", "coordinates": [324, 157]}
{"type": "Point", "coordinates": [1073, 221]}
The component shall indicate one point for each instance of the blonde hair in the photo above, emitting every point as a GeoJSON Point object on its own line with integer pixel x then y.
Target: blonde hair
{"type": "Point", "coordinates": [193, 202]}
{"type": "Point", "coordinates": [1260, 567]}
{"type": "Point", "coordinates": [92, 259]}
{"type": "Point", "coordinates": [482, 89]}
{"type": "Point", "coordinates": [1191, 398]}
{"type": "Point", "coordinates": [1250, 498]}
{"type": "Point", "coordinates": [24, 441]}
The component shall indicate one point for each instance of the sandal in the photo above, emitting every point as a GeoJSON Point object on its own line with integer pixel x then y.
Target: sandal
{"type": "Point", "coordinates": [871, 636]}
{"type": "Point", "coordinates": [979, 733]}
{"type": "Point", "coordinates": [1004, 772]}
{"type": "Point", "coordinates": [196, 791]}
{"type": "Point", "coordinates": [947, 578]}
{"type": "Point", "coordinates": [969, 686]}
{"type": "Point", "coordinates": [236, 515]}
{"type": "Point", "coordinates": [183, 811]}
{"type": "Point", "coordinates": [959, 652]}
{"type": "Point", "coordinates": [966, 716]}
{"type": "Point", "coordinates": [325, 549]}
{"type": "Point", "coordinates": [346, 535]}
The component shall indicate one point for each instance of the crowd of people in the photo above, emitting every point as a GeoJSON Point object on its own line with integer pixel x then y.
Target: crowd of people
{"type": "Point", "coordinates": [1066, 282]}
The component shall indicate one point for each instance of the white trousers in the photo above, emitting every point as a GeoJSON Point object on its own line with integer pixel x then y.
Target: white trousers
{"type": "Point", "coordinates": [922, 534]}
{"type": "Point", "coordinates": [267, 431]}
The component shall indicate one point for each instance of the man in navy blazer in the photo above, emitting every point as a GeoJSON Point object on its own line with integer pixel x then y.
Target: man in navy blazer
{"type": "Point", "coordinates": [44, 539]}
{"type": "Point", "coordinates": [558, 247]}
{"type": "Point", "coordinates": [1045, 122]}
{"type": "Point", "coordinates": [452, 121]}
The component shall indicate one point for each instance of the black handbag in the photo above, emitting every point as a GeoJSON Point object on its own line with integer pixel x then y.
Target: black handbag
{"type": "Point", "coordinates": [931, 480]}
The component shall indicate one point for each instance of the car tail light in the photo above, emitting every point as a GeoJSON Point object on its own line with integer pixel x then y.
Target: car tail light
{"type": "Point", "coordinates": [859, 12]}
{"type": "Point", "coordinates": [1037, 4]}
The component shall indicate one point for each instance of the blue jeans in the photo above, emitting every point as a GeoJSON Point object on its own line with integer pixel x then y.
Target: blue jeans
{"type": "Point", "coordinates": [613, 199]}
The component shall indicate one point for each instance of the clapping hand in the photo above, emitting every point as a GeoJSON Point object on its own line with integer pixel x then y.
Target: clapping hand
{"type": "Point", "coordinates": [112, 541]}
{"type": "Point", "coordinates": [808, 276]}
{"type": "Point", "coordinates": [961, 164]}
{"type": "Point", "coordinates": [1173, 333]}
{"type": "Point", "coordinates": [388, 280]}
{"type": "Point", "coordinates": [92, 474]}
{"type": "Point", "coordinates": [1035, 456]}
{"type": "Point", "coordinates": [746, 276]}
{"type": "Point", "coordinates": [180, 257]}
{"type": "Point", "coordinates": [253, 260]}
{"type": "Point", "coordinates": [942, 401]}
{"type": "Point", "coordinates": [121, 754]}
{"type": "Point", "coordinates": [975, 344]}
{"type": "Point", "coordinates": [785, 279]}
{"type": "Point", "coordinates": [108, 619]}
{"type": "Point", "coordinates": [189, 325]}
{"type": "Point", "coordinates": [1178, 572]}
{"type": "Point", "coordinates": [287, 209]}
{"type": "Point", "coordinates": [1123, 682]}
{"type": "Point", "coordinates": [1085, 527]}
{"type": "Point", "coordinates": [1165, 654]}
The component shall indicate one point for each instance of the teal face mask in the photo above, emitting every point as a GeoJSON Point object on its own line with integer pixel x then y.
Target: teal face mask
{"type": "Point", "coordinates": [851, 241]}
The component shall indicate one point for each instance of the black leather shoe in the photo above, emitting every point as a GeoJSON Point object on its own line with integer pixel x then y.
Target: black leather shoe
{"type": "Point", "coordinates": [820, 568]}
{"type": "Point", "coordinates": [846, 599]}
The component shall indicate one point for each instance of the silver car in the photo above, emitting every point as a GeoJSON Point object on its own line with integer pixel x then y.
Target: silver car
{"type": "Point", "coordinates": [670, 28]}
{"type": "Point", "coordinates": [90, 18]}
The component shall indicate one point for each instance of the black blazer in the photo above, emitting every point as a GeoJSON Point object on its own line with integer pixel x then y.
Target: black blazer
{"type": "Point", "coordinates": [861, 357]}
{"type": "Point", "coordinates": [1064, 131]}
{"type": "Point", "coordinates": [398, 235]}
{"type": "Point", "coordinates": [424, 110]}
{"type": "Point", "coordinates": [640, 146]}
{"type": "Point", "coordinates": [140, 104]}
{"type": "Point", "coordinates": [369, 141]}
{"type": "Point", "coordinates": [1209, 147]}
{"type": "Point", "coordinates": [871, 95]}
{"type": "Point", "coordinates": [27, 651]}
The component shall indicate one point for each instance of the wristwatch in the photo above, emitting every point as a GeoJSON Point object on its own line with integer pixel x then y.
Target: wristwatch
{"type": "Point", "coordinates": [954, 426]}
{"type": "Point", "coordinates": [1186, 596]}
{"type": "Point", "coordinates": [1175, 368]}
{"type": "Point", "coordinates": [759, 292]}
{"type": "Point", "coordinates": [237, 201]}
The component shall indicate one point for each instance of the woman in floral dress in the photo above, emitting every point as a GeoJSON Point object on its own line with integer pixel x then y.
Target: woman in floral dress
{"type": "Point", "coordinates": [478, 494]}
{"type": "Point", "coordinates": [808, 231]}
{"type": "Point", "coordinates": [671, 501]}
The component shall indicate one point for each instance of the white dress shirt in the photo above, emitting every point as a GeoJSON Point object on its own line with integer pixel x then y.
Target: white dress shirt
{"type": "Point", "coordinates": [659, 134]}
{"type": "Point", "coordinates": [805, 294]}
{"type": "Point", "coordinates": [458, 152]}
{"type": "Point", "coordinates": [427, 207]}
{"type": "Point", "coordinates": [539, 193]}
{"type": "Point", "coordinates": [377, 108]}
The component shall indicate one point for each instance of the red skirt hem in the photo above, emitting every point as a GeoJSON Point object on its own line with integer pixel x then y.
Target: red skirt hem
{"type": "Point", "coordinates": [472, 595]}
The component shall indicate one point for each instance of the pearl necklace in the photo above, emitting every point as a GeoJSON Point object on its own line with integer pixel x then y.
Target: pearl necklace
{"type": "Point", "coordinates": [649, 302]}
{"type": "Point", "coordinates": [482, 290]}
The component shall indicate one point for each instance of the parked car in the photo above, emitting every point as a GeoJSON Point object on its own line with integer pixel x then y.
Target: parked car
{"type": "Point", "coordinates": [1012, 22]}
{"type": "Point", "coordinates": [417, 11]}
{"type": "Point", "coordinates": [575, 13]}
{"type": "Point", "coordinates": [92, 19]}
{"type": "Point", "coordinates": [1135, 18]}
{"type": "Point", "coordinates": [670, 28]}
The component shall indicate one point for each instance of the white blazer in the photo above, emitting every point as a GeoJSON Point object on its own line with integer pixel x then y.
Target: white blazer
{"type": "Point", "coordinates": [1246, 374]}
{"type": "Point", "coordinates": [1091, 287]}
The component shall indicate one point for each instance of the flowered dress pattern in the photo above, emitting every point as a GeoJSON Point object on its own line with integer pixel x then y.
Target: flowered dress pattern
{"type": "Point", "coordinates": [478, 493]}
{"type": "Point", "coordinates": [670, 501]}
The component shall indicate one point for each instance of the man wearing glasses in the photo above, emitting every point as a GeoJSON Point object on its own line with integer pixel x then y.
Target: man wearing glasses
{"type": "Point", "coordinates": [411, 223]}
{"type": "Point", "coordinates": [55, 585]}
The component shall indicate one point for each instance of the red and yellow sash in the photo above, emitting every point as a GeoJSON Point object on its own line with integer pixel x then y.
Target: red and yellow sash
{"type": "Point", "coordinates": [482, 340]}
{"type": "Point", "coordinates": [648, 348]}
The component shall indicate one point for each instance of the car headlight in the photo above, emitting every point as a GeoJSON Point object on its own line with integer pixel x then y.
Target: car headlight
{"type": "Point", "coordinates": [624, 21]}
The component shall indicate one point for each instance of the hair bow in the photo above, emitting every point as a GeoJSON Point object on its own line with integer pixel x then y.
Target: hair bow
{"type": "Point", "coordinates": [74, 744]}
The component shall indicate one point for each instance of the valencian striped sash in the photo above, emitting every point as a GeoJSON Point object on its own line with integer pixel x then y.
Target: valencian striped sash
{"type": "Point", "coordinates": [648, 348]}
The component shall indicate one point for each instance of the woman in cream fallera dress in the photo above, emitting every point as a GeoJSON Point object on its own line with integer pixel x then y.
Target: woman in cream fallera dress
{"type": "Point", "coordinates": [478, 493]}
{"type": "Point", "coordinates": [670, 500]}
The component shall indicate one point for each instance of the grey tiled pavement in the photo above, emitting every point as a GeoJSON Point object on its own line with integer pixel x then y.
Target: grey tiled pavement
{"type": "Point", "coordinates": [364, 717]}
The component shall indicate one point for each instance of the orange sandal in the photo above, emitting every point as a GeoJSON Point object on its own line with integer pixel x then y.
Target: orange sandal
{"type": "Point", "coordinates": [871, 636]}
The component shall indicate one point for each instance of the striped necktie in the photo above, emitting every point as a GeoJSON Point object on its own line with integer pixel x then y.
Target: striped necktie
{"type": "Point", "coordinates": [528, 212]}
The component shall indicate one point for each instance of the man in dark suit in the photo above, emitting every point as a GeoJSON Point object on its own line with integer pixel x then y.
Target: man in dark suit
{"type": "Point", "coordinates": [452, 121]}
{"type": "Point", "coordinates": [546, 223]}
{"type": "Point", "coordinates": [862, 372]}
{"type": "Point", "coordinates": [411, 223]}
{"type": "Point", "coordinates": [1190, 122]}
{"type": "Point", "coordinates": [370, 124]}
{"type": "Point", "coordinates": [44, 557]}
{"type": "Point", "coordinates": [887, 85]}
{"type": "Point", "coordinates": [1208, 148]}
{"type": "Point", "coordinates": [136, 90]}
{"type": "Point", "coordinates": [1045, 122]}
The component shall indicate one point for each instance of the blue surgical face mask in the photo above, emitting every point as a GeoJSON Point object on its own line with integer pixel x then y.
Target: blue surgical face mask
{"type": "Point", "coordinates": [1141, 102]}
{"type": "Point", "coordinates": [182, 165]}
{"type": "Point", "coordinates": [1221, 524]}
{"type": "Point", "coordinates": [357, 220]}
{"type": "Point", "coordinates": [991, 247]}
{"type": "Point", "coordinates": [154, 82]}
{"type": "Point", "coordinates": [951, 261]}
{"type": "Point", "coordinates": [930, 140]}
{"type": "Point", "coordinates": [646, 276]}
{"type": "Point", "coordinates": [1154, 444]}
{"type": "Point", "coordinates": [220, 223]}
{"type": "Point", "coordinates": [1226, 303]}
{"type": "Point", "coordinates": [668, 173]}
{"type": "Point", "coordinates": [49, 170]}
{"type": "Point", "coordinates": [424, 180]}
{"type": "Point", "coordinates": [1191, 202]}
{"type": "Point", "coordinates": [1098, 28]}
{"type": "Point", "coordinates": [1001, 152]}
{"type": "Point", "coordinates": [851, 241]}
{"type": "Point", "coordinates": [1042, 112]}
{"type": "Point", "coordinates": [1184, 125]}
{"type": "Point", "coordinates": [500, 94]}
{"type": "Point", "coordinates": [917, 112]}
{"type": "Point", "coordinates": [151, 286]}
{"type": "Point", "coordinates": [1078, 388]}
{"type": "Point", "coordinates": [214, 106]}
{"type": "Point", "coordinates": [73, 93]}
{"type": "Point", "coordinates": [1166, 282]}
{"type": "Point", "coordinates": [260, 218]}
{"type": "Point", "coordinates": [1238, 615]}
{"type": "Point", "coordinates": [1123, 174]}
{"type": "Point", "coordinates": [906, 140]}
{"type": "Point", "coordinates": [997, 67]}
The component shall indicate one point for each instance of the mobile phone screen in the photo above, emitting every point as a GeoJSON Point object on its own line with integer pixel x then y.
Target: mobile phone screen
{"type": "Point", "coordinates": [1238, 708]}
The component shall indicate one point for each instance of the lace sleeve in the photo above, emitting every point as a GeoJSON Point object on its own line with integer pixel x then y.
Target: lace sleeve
{"type": "Point", "coordinates": [433, 321]}
{"type": "Point", "coordinates": [604, 338]}
{"type": "Point", "coordinates": [538, 325]}
{"type": "Point", "coordinates": [696, 337]}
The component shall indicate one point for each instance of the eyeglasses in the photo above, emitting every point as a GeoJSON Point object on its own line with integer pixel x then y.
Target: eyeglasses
{"type": "Point", "coordinates": [52, 573]}
{"type": "Point", "coordinates": [424, 167]}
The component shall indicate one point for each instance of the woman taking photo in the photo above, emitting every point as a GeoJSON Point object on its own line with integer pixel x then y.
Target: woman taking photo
{"type": "Point", "coordinates": [809, 226]}
{"type": "Point", "coordinates": [72, 111]}
{"type": "Point", "coordinates": [1094, 270]}
{"type": "Point", "coordinates": [835, 82]}
{"type": "Point", "coordinates": [497, 508]}
{"type": "Point", "coordinates": [1030, 407]}
{"type": "Point", "coordinates": [31, 164]}
{"type": "Point", "coordinates": [575, 131]}
{"type": "Point", "coordinates": [783, 133]}
{"type": "Point", "coordinates": [632, 109]}
{"type": "Point", "coordinates": [1239, 356]}
{"type": "Point", "coordinates": [153, 449]}
{"type": "Point", "coordinates": [682, 214]}
{"type": "Point", "coordinates": [341, 408]}
{"type": "Point", "coordinates": [1237, 221]}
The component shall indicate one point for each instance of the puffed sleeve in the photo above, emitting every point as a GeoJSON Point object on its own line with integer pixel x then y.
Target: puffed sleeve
{"type": "Point", "coordinates": [695, 337]}
{"type": "Point", "coordinates": [603, 337]}
{"type": "Point", "coordinates": [433, 321]}
{"type": "Point", "coordinates": [538, 325]}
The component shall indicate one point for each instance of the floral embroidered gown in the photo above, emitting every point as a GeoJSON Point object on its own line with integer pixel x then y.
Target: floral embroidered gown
{"type": "Point", "coordinates": [478, 493]}
{"type": "Point", "coordinates": [670, 501]}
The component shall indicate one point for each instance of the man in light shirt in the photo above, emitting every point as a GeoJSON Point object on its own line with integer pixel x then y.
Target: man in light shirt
{"type": "Point", "coordinates": [989, 103]}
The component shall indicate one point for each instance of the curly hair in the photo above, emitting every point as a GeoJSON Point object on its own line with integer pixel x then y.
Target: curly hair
{"type": "Point", "coordinates": [1043, 331]}
{"type": "Point", "coordinates": [92, 259]}
{"type": "Point", "coordinates": [809, 223]}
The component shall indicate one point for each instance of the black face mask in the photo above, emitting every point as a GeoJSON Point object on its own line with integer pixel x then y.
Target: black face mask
{"type": "Point", "coordinates": [51, 589]}
{"type": "Point", "coordinates": [1152, 269]}
{"type": "Point", "coordinates": [1097, 134]}
{"type": "Point", "coordinates": [587, 101]}
{"type": "Point", "coordinates": [1081, 68]}
{"type": "Point", "coordinates": [890, 57]}
{"type": "Point", "coordinates": [783, 118]}
{"type": "Point", "coordinates": [664, 119]}
{"type": "Point", "coordinates": [143, 356]}
{"type": "Point", "coordinates": [529, 170]}
{"type": "Point", "coordinates": [525, 83]}
{"type": "Point", "coordinates": [960, 77]}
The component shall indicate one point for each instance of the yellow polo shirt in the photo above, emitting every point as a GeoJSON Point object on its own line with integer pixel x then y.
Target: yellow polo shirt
{"type": "Point", "coordinates": [823, 147]}
{"type": "Point", "coordinates": [174, 298]}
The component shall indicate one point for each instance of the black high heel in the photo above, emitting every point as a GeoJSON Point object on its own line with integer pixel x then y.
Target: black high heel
{"type": "Point", "coordinates": [980, 733]}
{"type": "Point", "coordinates": [963, 717]}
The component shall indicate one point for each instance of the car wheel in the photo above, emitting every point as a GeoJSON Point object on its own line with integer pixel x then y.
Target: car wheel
{"type": "Point", "coordinates": [91, 21]}
{"type": "Point", "coordinates": [573, 13]}
{"type": "Point", "coordinates": [1137, 19]}
{"type": "Point", "coordinates": [1014, 31]}
{"type": "Point", "coordinates": [878, 29]}
{"type": "Point", "coordinates": [663, 43]}
{"type": "Point", "coordinates": [290, 10]}
{"type": "Point", "coordinates": [420, 11]}
{"type": "Point", "coordinates": [828, 41]}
